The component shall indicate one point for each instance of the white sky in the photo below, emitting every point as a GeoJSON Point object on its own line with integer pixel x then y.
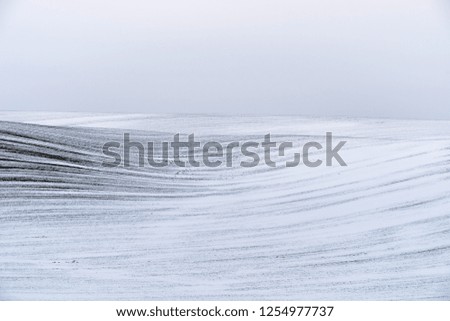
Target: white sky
{"type": "Point", "coordinates": [371, 58]}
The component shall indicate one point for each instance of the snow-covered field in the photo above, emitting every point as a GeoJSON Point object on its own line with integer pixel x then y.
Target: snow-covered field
{"type": "Point", "coordinates": [70, 229]}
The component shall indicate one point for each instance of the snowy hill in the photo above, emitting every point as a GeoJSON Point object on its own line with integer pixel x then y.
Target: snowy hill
{"type": "Point", "coordinates": [378, 229]}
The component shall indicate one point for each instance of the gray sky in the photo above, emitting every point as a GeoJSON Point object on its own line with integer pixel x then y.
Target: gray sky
{"type": "Point", "coordinates": [372, 58]}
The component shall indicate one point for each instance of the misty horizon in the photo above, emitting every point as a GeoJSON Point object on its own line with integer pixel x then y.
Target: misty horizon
{"type": "Point", "coordinates": [377, 59]}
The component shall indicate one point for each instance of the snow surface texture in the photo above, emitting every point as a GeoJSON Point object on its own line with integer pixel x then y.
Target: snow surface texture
{"type": "Point", "coordinates": [71, 229]}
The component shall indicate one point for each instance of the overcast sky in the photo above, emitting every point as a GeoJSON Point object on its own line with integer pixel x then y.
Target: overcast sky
{"type": "Point", "coordinates": [371, 58]}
